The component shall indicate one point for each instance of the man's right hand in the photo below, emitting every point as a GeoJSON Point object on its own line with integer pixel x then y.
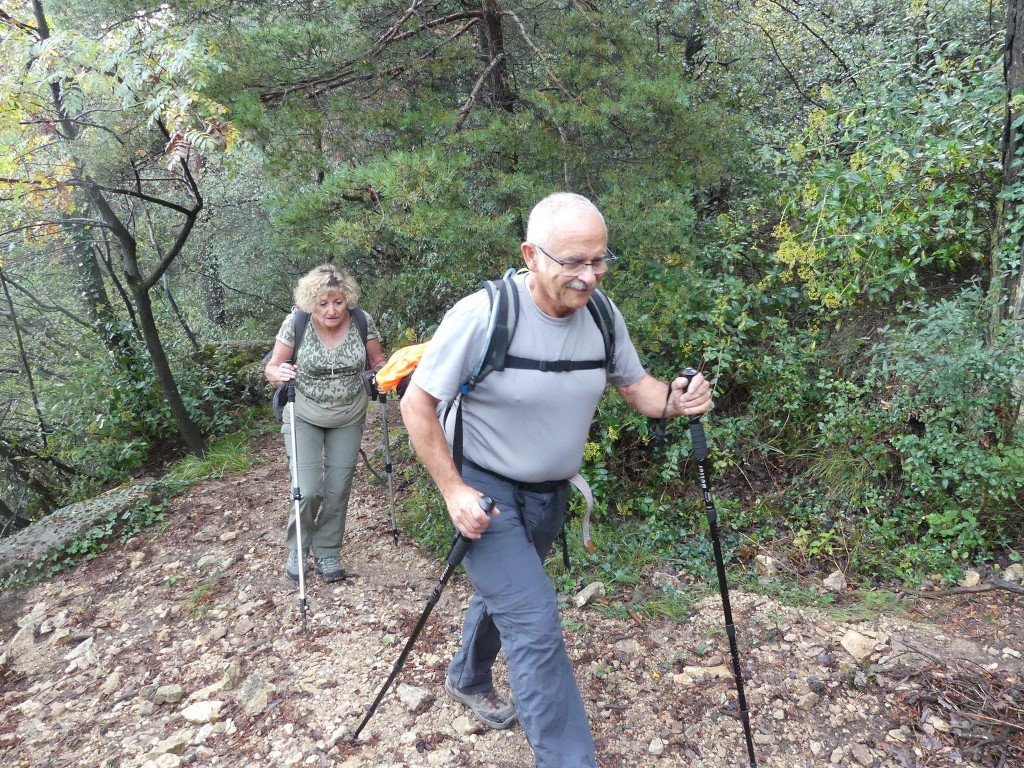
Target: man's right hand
{"type": "Point", "coordinates": [466, 512]}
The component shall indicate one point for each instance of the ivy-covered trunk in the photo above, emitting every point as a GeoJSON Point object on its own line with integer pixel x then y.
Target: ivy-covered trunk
{"type": "Point", "coordinates": [1006, 289]}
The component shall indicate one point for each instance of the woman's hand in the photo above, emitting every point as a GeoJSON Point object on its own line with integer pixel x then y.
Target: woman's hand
{"type": "Point", "coordinates": [286, 372]}
{"type": "Point", "coordinates": [278, 369]}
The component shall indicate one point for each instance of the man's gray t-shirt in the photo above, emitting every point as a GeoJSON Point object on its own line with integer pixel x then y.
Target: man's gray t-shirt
{"type": "Point", "coordinates": [529, 425]}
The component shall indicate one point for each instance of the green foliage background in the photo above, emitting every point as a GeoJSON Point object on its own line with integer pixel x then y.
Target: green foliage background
{"type": "Point", "coordinates": [803, 200]}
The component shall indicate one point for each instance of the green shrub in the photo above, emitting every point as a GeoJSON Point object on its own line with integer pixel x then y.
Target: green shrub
{"type": "Point", "coordinates": [909, 461]}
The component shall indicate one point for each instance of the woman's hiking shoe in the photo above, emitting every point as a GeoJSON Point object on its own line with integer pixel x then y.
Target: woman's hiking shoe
{"type": "Point", "coordinates": [291, 568]}
{"type": "Point", "coordinates": [330, 568]}
{"type": "Point", "coordinates": [493, 709]}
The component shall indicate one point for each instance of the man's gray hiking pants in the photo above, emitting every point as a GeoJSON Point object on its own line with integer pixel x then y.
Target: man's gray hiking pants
{"type": "Point", "coordinates": [514, 609]}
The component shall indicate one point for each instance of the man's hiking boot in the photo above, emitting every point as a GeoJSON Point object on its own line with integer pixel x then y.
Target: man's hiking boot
{"type": "Point", "coordinates": [330, 568]}
{"type": "Point", "coordinates": [291, 568]}
{"type": "Point", "coordinates": [493, 709]}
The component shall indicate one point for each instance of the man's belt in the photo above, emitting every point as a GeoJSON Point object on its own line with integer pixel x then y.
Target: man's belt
{"type": "Point", "coordinates": [550, 486]}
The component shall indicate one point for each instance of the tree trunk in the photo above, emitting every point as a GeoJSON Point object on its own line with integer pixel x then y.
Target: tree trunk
{"type": "Point", "coordinates": [213, 291]}
{"type": "Point", "coordinates": [25, 363]}
{"type": "Point", "coordinates": [127, 248]}
{"type": "Point", "coordinates": [499, 96]}
{"type": "Point", "coordinates": [182, 320]}
{"type": "Point", "coordinates": [190, 432]}
{"type": "Point", "coordinates": [25, 470]}
{"type": "Point", "coordinates": [113, 335]}
{"type": "Point", "coordinates": [1006, 289]}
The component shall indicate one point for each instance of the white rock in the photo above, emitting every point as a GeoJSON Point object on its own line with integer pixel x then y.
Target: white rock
{"type": "Point", "coordinates": [174, 744]}
{"type": "Point", "coordinates": [465, 725]}
{"type": "Point", "coordinates": [721, 672]}
{"type": "Point", "coordinates": [971, 578]}
{"type": "Point", "coordinates": [808, 701]}
{"type": "Point", "coordinates": [1014, 572]}
{"type": "Point", "coordinates": [163, 761]}
{"type": "Point", "coordinates": [589, 593]}
{"type": "Point", "coordinates": [415, 699]}
{"type": "Point", "coordinates": [836, 582]}
{"type": "Point", "coordinates": [169, 694]}
{"type": "Point", "coordinates": [79, 650]}
{"type": "Point", "coordinates": [857, 645]}
{"type": "Point", "coordinates": [656, 747]}
{"type": "Point", "coordinates": [203, 712]}
{"type": "Point", "coordinates": [765, 565]}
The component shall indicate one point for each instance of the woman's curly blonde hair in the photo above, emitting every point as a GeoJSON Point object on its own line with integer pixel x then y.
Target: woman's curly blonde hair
{"type": "Point", "coordinates": [327, 278]}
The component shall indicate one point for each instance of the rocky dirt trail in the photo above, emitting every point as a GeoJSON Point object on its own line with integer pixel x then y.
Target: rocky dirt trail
{"type": "Point", "coordinates": [184, 648]}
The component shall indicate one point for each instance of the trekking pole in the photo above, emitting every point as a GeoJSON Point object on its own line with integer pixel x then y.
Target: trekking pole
{"type": "Point", "coordinates": [387, 463]}
{"type": "Point", "coordinates": [460, 545]}
{"type": "Point", "coordinates": [296, 498]}
{"type": "Point", "coordinates": [700, 451]}
{"type": "Point", "coordinates": [374, 393]}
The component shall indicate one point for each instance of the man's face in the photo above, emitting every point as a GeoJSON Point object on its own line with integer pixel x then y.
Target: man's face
{"type": "Point", "coordinates": [577, 236]}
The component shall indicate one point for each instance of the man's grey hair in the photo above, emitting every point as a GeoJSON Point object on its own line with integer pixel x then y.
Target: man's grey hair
{"type": "Point", "coordinates": [327, 278]}
{"type": "Point", "coordinates": [544, 215]}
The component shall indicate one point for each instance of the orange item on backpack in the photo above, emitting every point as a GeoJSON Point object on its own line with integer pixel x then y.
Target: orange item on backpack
{"type": "Point", "coordinates": [400, 365]}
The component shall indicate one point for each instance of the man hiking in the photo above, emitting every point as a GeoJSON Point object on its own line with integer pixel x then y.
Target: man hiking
{"type": "Point", "coordinates": [523, 432]}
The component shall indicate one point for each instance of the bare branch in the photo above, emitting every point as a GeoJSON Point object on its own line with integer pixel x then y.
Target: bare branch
{"type": "Point", "coordinates": [345, 73]}
{"type": "Point", "coordinates": [61, 225]}
{"type": "Point", "coordinates": [42, 304]}
{"type": "Point", "coordinates": [818, 37]}
{"type": "Point", "coordinates": [536, 50]}
{"type": "Point", "coordinates": [792, 78]}
{"type": "Point", "coordinates": [468, 105]}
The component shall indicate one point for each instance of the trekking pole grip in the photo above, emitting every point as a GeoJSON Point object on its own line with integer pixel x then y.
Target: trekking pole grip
{"type": "Point", "coordinates": [461, 544]}
{"type": "Point", "coordinates": [700, 443]}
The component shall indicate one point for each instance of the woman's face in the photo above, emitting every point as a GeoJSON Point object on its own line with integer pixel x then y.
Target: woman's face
{"type": "Point", "coordinates": [330, 310]}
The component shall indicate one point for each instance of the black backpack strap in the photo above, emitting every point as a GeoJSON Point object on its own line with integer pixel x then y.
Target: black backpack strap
{"type": "Point", "coordinates": [457, 453]}
{"type": "Point", "coordinates": [501, 327]}
{"type": "Point", "coordinates": [360, 320]}
{"type": "Point", "coordinates": [300, 321]}
{"type": "Point", "coordinates": [553, 366]}
{"type": "Point", "coordinates": [600, 307]}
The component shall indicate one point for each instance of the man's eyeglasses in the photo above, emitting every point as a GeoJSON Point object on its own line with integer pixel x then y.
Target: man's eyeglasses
{"type": "Point", "coordinates": [576, 267]}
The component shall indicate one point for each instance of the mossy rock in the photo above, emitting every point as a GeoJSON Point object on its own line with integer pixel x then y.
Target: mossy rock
{"type": "Point", "coordinates": [25, 552]}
